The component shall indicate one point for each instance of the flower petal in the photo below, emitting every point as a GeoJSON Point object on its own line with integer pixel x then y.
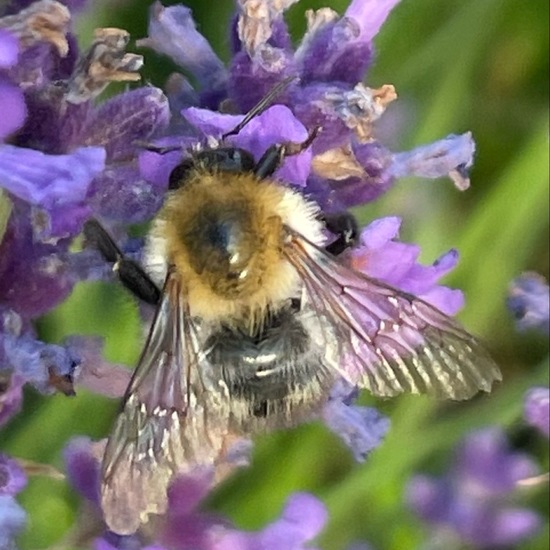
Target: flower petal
{"type": "Point", "coordinates": [451, 156]}
{"type": "Point", "coordinates": [11, 396]}
{"type": "Point", "coordinates": [129, 117]}
{"type": "Point", "coordinates": [274, 126]}
{"type": "Point", "coordinates": [12, 521]}
{"type": "Point", "coordinates": [82, 468]}
{"type": "Point", "coordinates": [12, 107]}
{"type": "Point", "coordinates": [395, 263]}
{"type": "Point", "coordinates": [486, 458]}
{"type": "Point", "coordinates": [120, 193]}
{"type": "Point", "coordinates": [12, 477]}
{"type": "Point", "coordinates": [9, 49]}
{"type": "Point", "coordinates": [529, 302]}
{"type": "Point", "coordinates": [93, 371]}
{"type": "Point", "coordinates": [49, 180]}
{"type": "Point", "coordinates": [370, 15]}
{"type": "Point", "coordinates": [172, 32]}
{"type": "Point", "coordinates": [361, 428]}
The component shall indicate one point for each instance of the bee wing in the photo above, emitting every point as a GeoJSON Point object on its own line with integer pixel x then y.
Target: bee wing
{"type": "Point", "coordinates": [386, 340]}
{"type": "Point", "coordinates": [168, 422]}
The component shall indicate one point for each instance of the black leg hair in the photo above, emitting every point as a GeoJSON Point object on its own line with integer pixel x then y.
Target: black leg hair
{"type": "Point", "coordinates": [130, 273]}
{"type": "Point", "coordinates": [273, 157]}
{"type": "Point", "coordinates": [344, 225]}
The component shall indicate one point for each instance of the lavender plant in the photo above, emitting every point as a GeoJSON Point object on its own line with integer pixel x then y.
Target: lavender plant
{"type": "Point", "coordinates": [476, 502]}
{"type": "Point", "coordinates": [67, 154]}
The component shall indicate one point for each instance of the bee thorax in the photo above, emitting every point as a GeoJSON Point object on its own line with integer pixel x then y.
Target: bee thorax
{"type": "Point", "coordinates": [224, 235]}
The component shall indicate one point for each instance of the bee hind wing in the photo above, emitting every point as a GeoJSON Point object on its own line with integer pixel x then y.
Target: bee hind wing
{"type": "Point", "coordinates": [162, 429]}
{"type": "Point", "coordinates": [387, 340]}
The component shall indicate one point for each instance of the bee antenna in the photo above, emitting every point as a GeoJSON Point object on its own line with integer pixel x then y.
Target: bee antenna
{"type": "Point", "coordinates": [159, 149]}
{"type": "Point", "coordinates": [261, 106]}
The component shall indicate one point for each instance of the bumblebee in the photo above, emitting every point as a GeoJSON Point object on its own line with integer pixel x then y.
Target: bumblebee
{"type": "Point", "coordinates": [256, 318]}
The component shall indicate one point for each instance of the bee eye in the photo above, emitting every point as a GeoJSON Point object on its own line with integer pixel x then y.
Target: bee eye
{"type": "Point", "coordinates": [178, 176]}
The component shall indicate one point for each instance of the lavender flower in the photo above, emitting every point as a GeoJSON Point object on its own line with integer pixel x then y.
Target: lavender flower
{"type": "Point", "coordinates": [529, 302]}
{"type": "Point", "coordinates": [361, 428]}
{"type": "Point", "coordinates": [383, 257]}
{"type": "Point", "coordinates": [12, 477]}
{"type": "Point", "coordinates": [302, 519]}
{"type": "Point", "coordinates": [349, 166]}
{"type": "Point", "coordinates": [185, 526]}
{"type": "Point", "coordinates": [473, 500]}
{"type": "Point", "coordinates": [12, 521]}
{"type": "Point", "coordinates": [537, 409]}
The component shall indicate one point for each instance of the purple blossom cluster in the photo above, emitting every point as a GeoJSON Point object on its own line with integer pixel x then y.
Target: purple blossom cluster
{"type": "Point", "coordinates": [66, 156]}
{"type": "Point", "coordinates": [62, 159]}
{"type": "Point", "coordinates": [185, 525]}
{"type": "Point", "coordinates": [529, 302]}
{"type": "Point", "coordinates": [346, 165]}
{"type": "Point", "coordinates": [472, 503]}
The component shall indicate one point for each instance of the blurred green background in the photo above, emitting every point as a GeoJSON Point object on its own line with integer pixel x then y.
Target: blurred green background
{"type": "Point", "coordinates": [479, 65]}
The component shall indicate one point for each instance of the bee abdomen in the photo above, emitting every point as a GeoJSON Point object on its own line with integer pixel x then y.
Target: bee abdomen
{"type": "Point", "coordinates": [275, 379]}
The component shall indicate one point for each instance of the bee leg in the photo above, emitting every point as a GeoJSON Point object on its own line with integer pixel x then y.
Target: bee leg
{"type": "Point", "coordinates": [130, 273]}
{"type": "Point", "coordinates": [344, 225]}
{"type": "Point", "coordinates": [274, 156]}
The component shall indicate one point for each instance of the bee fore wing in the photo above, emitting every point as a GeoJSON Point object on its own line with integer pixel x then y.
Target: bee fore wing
{"type": "Point", "coordinates": [389, 341]}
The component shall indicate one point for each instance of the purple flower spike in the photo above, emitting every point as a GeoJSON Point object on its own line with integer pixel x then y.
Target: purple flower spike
{"type": "Point", "coordinates": [451, 156]}
{"type": "Point", "coordinates": [537, 409]}
{"type": "Point", "coordinates": [382, 257]}
{"type": "Point", "coordinates": [529, 302]}
{"type": "Point", "coordinates": [472, 500]}
{"type": "Point", "coordinates": [361, 428]}
{"type": "Point", "coordinates": [12, 477]}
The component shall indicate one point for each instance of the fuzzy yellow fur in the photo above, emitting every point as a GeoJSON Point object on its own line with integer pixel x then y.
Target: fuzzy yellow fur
{"type": "Point", "coordinates": [270, 279]}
